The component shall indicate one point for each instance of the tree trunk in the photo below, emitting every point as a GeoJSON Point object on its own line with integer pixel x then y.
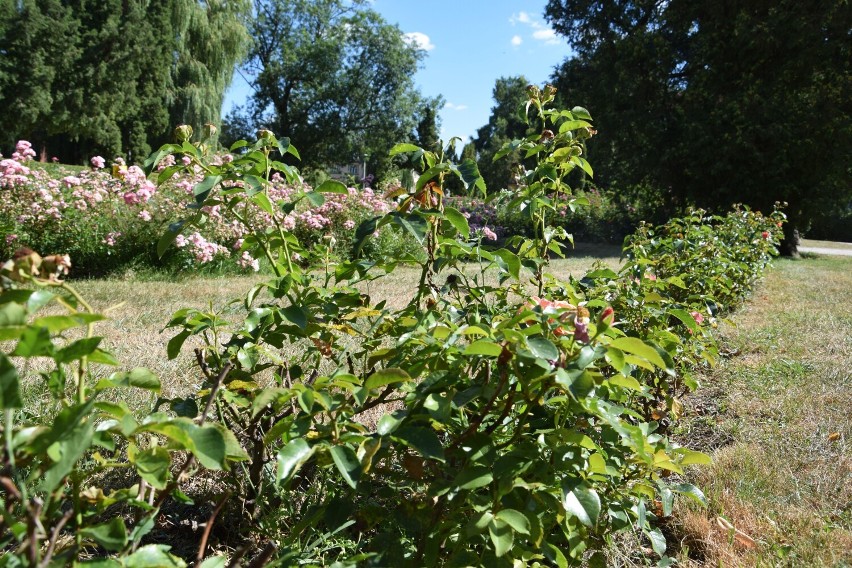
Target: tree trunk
{"type": "Point", "coordinates": [790, 243]}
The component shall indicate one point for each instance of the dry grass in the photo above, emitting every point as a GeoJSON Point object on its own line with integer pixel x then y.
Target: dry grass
{"type": "Point", "coordinates": [138, 311]}
{"type": "Point", "coordinates": [826, 244]}
{"type": "Point", "coordinates": [779, 421]}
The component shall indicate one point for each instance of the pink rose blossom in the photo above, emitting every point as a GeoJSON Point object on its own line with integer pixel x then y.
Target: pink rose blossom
{"type": "Point", "coordinates": [98, 162]}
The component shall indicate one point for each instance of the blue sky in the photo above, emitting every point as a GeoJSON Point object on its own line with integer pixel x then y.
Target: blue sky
{"type": "Point", "coordinates": [469, 43]}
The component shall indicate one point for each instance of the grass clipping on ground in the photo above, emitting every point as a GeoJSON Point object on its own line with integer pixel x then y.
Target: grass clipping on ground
{"type": "Point", "coordinates": [776, 416]}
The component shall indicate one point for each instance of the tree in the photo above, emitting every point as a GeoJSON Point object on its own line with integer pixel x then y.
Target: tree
{"type": "Point", "coordinates": [82, 77]}
{"type": "Point", "coordinates": [716, 102]}
{"type": "Point", "coordinates": [504, 124]}
{"type": "Point", "coordinates": [428, 137]}
{"type": "Point", "coordinates": [333, 76]}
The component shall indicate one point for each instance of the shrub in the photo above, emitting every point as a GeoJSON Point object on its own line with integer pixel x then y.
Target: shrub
{"type": "Point", "coordinates": [108, 219]}
{"type": "Point", "coordinates": [517, 426]}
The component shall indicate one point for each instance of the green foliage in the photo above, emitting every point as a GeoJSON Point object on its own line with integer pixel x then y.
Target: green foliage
{"type": "Point", "coordinates": [54, 462]}
{"type": "Point", "coordinates": [504, 124]}
{"type": "Point", "coordinates": [479, 425]}
{"type": "Point", "coordinates": [333, 75]}
{"type": "Point", "coordinates": [707, 101]}
{"type": "Point", "coordinates": [81, 78]}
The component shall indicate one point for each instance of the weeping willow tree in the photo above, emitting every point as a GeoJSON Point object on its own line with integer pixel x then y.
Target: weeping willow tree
{"type": "Point", "coordinates": [211, 39]}
{"type": "Point", "coordinates": [113, 77]}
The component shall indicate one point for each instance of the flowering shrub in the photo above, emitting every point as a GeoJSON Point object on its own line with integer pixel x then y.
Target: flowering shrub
{"type": "Point", "coordinates": [108, 218]}
{"type": "Point", "coordinates": [520, 423]}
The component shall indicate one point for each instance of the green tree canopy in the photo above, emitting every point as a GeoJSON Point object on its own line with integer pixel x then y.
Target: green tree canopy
{"type": "Point", "coordinates": [716, 102]}
{"type": "Point", "coordinates": [82, 77]}
{"type": "Point", "coordinates": [504, 124]}
{"type": "Point", "coordinates": [333, 76]}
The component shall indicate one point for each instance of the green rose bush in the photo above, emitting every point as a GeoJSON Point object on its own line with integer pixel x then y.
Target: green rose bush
{"type": "Point", "coordinates": [504, 417]}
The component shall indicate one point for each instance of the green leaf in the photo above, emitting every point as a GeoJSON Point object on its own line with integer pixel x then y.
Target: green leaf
{"type": "Point", "coordinates": [470, 175]}
{"type": "Point", "coordinates": [384, 377]}
{"type": "Point", "coordinates": [347, 464]}
{"type": "Point", "coordinates": [186, 407]}
{"type": "Point", "coordinates": [413, 225]}
{"type": "Point", "coordinates": [153, 556]}
{"type": "Point", "coordinates": [292, 457]}
{"type": "Point", "coordinates": [458, 221]}
{"type": "Point", "coordinates": [202, 188]}
{"type": "Point", "coordinates": [686, 318]}
{"type": "Point", "coordinates": [153, 466]}
{"type": "Point", "coordinates": [139, 378]}
{"type": "Point", "coordinates": [582, 113]}
{"type": "Point", "coordinates": [332, 186]}
{"type": "Point", "coordinates": [583, 163]}
{"type": "Point", "coordinates": [485, 348]}
{"type": "Point", "coordinates": [581, 501]}
{"type": "Point", "coordinates": [573, 125]}
{"type": "Point", "coordinates": [316, 199]}
{"type": "Point", "coordinates": [111, 535]}
{"type": "Point", "coordinates": [658, 541]}
{"type": "Point", "coordinates": [296, 315]}
{"type": "Point", "coordinates": [103, 357]}
{"type": "Point", "coordinates": [638, 347]}
{"type": "Point", "coordinates": [12, 315]}
{"type": "Point", "coordinates": [502, 537]}
{"type": "Point", "coordinates": [515, 519]}
{"type": "Point", "coordinates": [72, 435]}
{"type": "Point", "coordinates": [511, 261]}
{"type": "Point", "coordinates": [169, 237]}
{"type": "Point", "coordinates": [403, 149]}
{"type": "Point", "coordinates": [34, 342]}
{"type": "Point", "coordinates": [474, 477]}
{"type": "Point", "coordinates": [214, 562]}
{"type": "Point", "coordinates": [209, 446]}
{"type": "Point", "coordinates": [10, 393]}
{"type": "Point", "coordinates": [175, 343]}
{"type": "Point", "coordinates": [691, 457]}
{"type": "Point", "coordinates": [423, 439]}
{"type": "Point", "coordinates": [543, 348]}
{"type": "Point", "coordinates": [78, 349]}
{"type": "Point", "coordinates": [555, 555]}
{"type": "Point", "coordinates": [39, 299]}
{"type": "Point", "coordinates": [691, 491]}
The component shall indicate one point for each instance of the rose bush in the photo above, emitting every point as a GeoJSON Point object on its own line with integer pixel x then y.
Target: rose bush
{"type": "Point", "coordinates": [483, 424]}
{"type": "Point", "coordinates": [110, 218]}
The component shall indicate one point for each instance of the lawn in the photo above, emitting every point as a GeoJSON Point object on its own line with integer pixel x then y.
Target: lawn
{"type": "Point", "coordinates": [138, 310]}
{"type": "Point", "coordinates": [775, 415]}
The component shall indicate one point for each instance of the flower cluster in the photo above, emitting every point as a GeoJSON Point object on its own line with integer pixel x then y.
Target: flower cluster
{"type": "Point", "coordinates": [104, 216]}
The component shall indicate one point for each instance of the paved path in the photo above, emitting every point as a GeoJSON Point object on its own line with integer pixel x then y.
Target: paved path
{"type": "Point", "coordinates": [825, 250]}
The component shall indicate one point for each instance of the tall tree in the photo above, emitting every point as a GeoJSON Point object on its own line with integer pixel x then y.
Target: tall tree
{"type": "Point", "coordinates": [716, 102]}
{"type": "Point", "coordinates": [113, 76]}
{"type": "Point", "coordinates": [212, 39]}
{"type": "Point", "coordinates": [333, 76]}
{"type": "Point", "coordinates": [504, 124]}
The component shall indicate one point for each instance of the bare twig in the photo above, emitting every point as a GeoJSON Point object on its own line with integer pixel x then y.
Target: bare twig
{"type": "Point", "coordinates": [202, 546]}
{"type": "Point", "coordinates": [54, 535]}
{"type": "Point", "coordinates": [263, 558]}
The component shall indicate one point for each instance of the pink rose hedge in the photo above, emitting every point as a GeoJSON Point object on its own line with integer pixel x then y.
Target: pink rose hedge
{"type": "Point", "coordinates": [111, 216]}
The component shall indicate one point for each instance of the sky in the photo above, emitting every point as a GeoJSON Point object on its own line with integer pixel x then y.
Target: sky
{"type": "Point", "coordinates": [469, 44]}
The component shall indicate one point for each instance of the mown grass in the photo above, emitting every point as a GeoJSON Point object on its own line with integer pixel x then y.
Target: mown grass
{"type": "Point", "coordinates": [826, 244]}
{"type": "Point", "coordinates": [139, 309]}
{"type": "Point", "coordinates": [775, 416]}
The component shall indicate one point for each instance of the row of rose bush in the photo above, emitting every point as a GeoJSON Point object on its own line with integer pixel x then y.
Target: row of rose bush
{"type": "Point", "coordinates": [109, 218]}
{"type": "Point", "coordinates": [517, 426]}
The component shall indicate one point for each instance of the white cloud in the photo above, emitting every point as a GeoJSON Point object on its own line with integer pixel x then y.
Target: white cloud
{"type": "Point", "coordinates": [520, 18]}
{"type": "Point", "coordinates": [540, 31]}
{"type": "Point", "coordinates": [546, 35]}
{"type": "Point", "coordinates": [453, 106]}
{"type": "Point", "coordinates": [420, 40]}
